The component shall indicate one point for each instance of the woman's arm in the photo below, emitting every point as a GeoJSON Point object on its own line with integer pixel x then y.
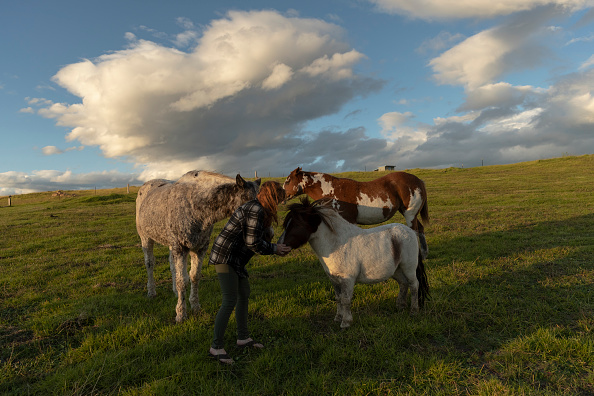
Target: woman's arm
{"type": "Point", "coordinates": [254, 232]}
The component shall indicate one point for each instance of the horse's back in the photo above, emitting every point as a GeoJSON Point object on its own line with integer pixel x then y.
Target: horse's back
{"type": "Point", "coordinates": [158, 191]}
{"type": "Point", "coordinates": [204, 179]}
{"type": "Point", "coordinates": [395, 233]}
{"type": "Point", "coordinates": [406, 184]}
{"type": "Point", "coordinates": [374, 254]}
{"type": "Point", "coordinates": [150, 189]}
{"type": "Point", "coordinates": [386, 248]}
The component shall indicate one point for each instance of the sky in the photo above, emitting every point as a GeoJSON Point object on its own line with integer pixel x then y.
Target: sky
{"type": "Point", "coordinates": [104, 94]}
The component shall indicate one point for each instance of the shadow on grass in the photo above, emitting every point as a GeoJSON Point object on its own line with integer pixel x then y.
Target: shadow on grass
{"type": "Point", "coordinates": [502, 285]}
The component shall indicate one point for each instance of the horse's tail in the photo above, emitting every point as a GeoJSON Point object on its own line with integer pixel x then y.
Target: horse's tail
{"type": "Point", "coordinates": [424, 212]}
{"type": "Point", "coordinates": [423, 282]}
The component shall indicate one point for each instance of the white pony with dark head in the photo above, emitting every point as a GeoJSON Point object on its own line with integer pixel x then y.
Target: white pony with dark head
{"type": "Point", "coordinates": [350, 254]}
{"type": "Point", "coordinates": [181, 215]}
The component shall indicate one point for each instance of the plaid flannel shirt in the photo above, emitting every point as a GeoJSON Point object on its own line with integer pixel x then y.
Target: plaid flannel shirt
{"type": "Point", "coordinates": [241, 238]}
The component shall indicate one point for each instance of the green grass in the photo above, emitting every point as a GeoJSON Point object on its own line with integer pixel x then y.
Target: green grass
{"type": "Point", "coordinates": [511, 266]}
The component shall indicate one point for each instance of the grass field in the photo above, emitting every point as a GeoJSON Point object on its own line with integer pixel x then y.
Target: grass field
{"type": "Point", "coordinates": [511, 266]}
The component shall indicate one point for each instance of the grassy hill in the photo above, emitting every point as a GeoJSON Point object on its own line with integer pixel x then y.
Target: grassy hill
{"type": "Point", "coordinates": [511, 266]}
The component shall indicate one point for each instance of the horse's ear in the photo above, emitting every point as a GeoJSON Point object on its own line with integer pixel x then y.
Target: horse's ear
{"type": "Point", "coordinates": [258, 181]}
{"type": "Point", "coordinates": [239, 180]}
{"type": "Point", "coordinates": [298, 169]}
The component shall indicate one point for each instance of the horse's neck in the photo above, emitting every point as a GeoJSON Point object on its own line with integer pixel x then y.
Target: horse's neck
{"type": "Point", "coordinates": [326, 240]}
{"type": "Point", "coordinates": [314, 189]}
{"type": "Point", "coordinates": [220, 203]}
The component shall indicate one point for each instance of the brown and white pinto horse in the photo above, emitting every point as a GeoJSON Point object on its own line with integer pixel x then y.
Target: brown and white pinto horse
{"type": "Point", "coordinates": [371, 202]}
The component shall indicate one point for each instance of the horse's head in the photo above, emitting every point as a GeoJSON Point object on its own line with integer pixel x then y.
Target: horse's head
{"type": "Point", "coordinates": [249, 190]}
{"type": "Point", "coordinates": [301, 222]}
{"type": "Point", "coordinates": [293, 184]}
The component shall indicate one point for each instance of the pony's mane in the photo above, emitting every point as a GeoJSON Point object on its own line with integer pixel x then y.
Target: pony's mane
{"type": "Point", "coordinates": [300, 210]}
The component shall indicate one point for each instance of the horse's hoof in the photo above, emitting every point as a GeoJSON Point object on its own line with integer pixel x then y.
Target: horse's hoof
{"type": "Point", "coordinates": [180, 319]}
{"type": "Point", "coordinates": [151, 295]}
{"type": "Point", "coordinates": [345, 325]}
{"type": "Point", "coordinates": [338, 318]}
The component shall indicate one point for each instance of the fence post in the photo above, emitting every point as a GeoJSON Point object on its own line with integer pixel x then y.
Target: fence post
{"type": "Point", "coordinates": [128, 188]}
{"type": "Point", "coordinates": [9, 200]}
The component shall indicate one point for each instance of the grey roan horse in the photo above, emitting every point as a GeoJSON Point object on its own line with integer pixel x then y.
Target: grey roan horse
{"type": "Point", "coordinates": [181, 215]}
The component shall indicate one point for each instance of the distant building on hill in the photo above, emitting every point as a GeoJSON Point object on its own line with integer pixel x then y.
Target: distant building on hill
{"type": "Point", "coordinates": [385, 168]}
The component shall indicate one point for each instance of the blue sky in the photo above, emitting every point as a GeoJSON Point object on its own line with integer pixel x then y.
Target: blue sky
{"type": "Point", "coordinates": [101, 94]}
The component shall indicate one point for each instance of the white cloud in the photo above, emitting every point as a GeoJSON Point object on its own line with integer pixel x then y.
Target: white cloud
{"type": "Point", "coordinates": [514, 122]}
{"type": "Point", "coordinates": [581, 39]}
{"type": "Point", "coordinates": [38, 101]}
{"type": "Point", "coordinates": [498, 95]}
{"type": "Point", "coordinates": [442, 41]}
{"type": "Point", "coordinates": [481, 59]}
{"type": "Point", "coordinates": [588, 63]}
{"type": "Point", "coordinates": [455, 9]}
{"type": "Point", "coordinates": [245, 90]}
{"type": "Point", "coordinates": [391, 121]}
{"type": "Point", "coordinates": [337, 67]}
{"type": "Point", "coordinates": [474, 62]}
{"type": "Point", "coordinates": [463, 119]}
{"type": "Point", "coordinates": [28, 110]}
{"type": "Point", "coordinates": [189, 36]}
{"type": "Point", "coordinates": [53, 150]}
{"type": "Point", "coordinates": [397, 130]}
{"type": "Point", "coordinates": [280, 75]}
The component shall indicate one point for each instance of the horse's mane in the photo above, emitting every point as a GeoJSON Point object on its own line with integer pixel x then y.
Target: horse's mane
{"type": "Point", "coordinates": [299, 211]}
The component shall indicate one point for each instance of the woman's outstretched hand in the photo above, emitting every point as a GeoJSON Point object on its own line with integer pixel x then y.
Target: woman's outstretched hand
{"type": "Point", "coordinates": [282, 249]}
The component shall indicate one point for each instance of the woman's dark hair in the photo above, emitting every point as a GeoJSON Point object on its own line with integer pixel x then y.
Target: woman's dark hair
{"type": "Point", "coordinates": [270, 195]}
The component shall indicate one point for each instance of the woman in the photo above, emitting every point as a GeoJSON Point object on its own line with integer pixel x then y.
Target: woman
{"type": "Point", "coordinates": [247, 232]}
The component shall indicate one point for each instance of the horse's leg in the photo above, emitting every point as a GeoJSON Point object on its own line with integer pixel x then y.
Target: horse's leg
{"type": "Point", "coordinates": [172, 269]}
{"type": "Point", "coordinates": [195, 275]}
{"type": "Point", "coordinates": [346, 295]}
{"type": "Point", "coordinates": [410, 274]}
{"type": "Point", "coordinates": [180, 258]}
{"type": "Point", "coordinates": [197, 256]}
{"type": "Point", "coordinates": [149, 262]}
{"type": "Point", "coordinates": [338, 317]}
{"type": "Point", "coordinates": [402, 288]}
